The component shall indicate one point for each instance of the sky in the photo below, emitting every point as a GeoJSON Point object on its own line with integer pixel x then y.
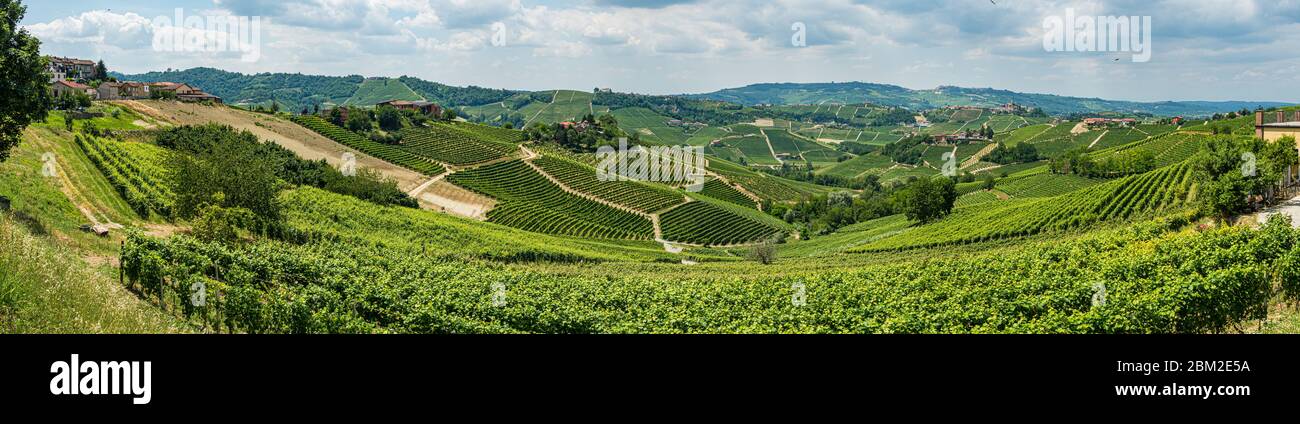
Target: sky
{"type": "Point", "coordinates": [1199, 49]}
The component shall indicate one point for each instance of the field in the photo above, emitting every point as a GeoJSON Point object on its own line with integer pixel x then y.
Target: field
{"type": "Point", "coordinates": [637, 195]}
{"type": "Point", "coordinates": [375, 90]}
{"type": "Point", "coordinates": [556, 250]}
{"type": "Point", "coordinates": [652, 126]}
{"type": "Point", "coordinates": [1161, 190]}
{"type": "Point", "coordinates": [857, 166]}
{"type": "Point", "coordinates": [709, 224]}
{"type": "Point", "coordinates": [447, 144]}
{"type": "Point", "coordinates": [137, 171]}
{"type": "Point", "coordinates": [1038, 288]}
{"type": "Point", "coordinates": [531, 202]}
{"type": "Point", "coordinates": [386, 152]}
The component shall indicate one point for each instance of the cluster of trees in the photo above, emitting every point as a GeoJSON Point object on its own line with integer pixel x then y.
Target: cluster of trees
{"type": "Point", "coordinates": [922, 199]}
{"type": "Point", "coordinates": [224, 178]}
{"type": "Point", "coordinates": [69, 100]}
{"type": "Point", "coordinates": [583, 136]}
{"type": "Point", "coordinates": [908, 150]}
{"type": "Point", "coordinates": [1231, 115]}
{"type": "Point", "coordinates": [503, 120]}
{"type": "Point", "coordinates": [447, 95]}
{"type": "Point", "coordinates": [891, 117]}
{"type": "Point", "coordinates": [1079, 162]}
{"type": "Point", "coordinates": [1020, 153]}
{"type": "Point", "coordinates": [382, 123]}
{"type": "Point", "coordinates": [857, 148]}
{"type": "Point", "coordinates": [290, 91]}
{"type": "Point", "coordinates": [1233, 174]}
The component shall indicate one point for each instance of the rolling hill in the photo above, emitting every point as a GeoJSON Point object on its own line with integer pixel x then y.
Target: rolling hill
{"type": "Point", "coordinates": [893, 95]}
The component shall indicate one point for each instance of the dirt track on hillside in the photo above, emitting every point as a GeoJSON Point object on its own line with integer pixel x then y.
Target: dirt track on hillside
{"type": "Point", "coordinates": [304, 142]}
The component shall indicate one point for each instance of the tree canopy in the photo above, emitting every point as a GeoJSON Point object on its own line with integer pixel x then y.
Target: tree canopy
{"type": "Point", "coordinates": [24, 97]}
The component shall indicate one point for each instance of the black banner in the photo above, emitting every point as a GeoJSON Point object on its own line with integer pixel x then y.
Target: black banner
{"type": "Point", "coordinates": [248, 372]}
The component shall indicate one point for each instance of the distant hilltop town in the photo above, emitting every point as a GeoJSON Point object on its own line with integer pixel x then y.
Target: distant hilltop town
{"type": "Point", "coordinates": [71, 77]}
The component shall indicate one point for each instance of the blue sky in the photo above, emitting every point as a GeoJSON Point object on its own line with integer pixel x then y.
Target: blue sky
{"type": "Point", "coordinates": [1201, 49]}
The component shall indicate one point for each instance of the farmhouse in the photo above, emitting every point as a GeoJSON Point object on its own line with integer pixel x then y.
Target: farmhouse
{"type": "Point", "coordinates": [183, 92]}
{"type": "Point", "coordinates": [61, 87]}
{"type": "Point", "coordinates": [1101, 122]}
{"type": "Point", "coordinates": [123, 90]}
{"type": "Point", "coordinates": [956, 138]}
{"type": "Point", "coordinates": [62, 68]}
{"type": "Point", "coordinates": [427, 108]}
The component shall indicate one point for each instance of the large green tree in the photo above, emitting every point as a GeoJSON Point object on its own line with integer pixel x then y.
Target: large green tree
{"type": "Point", "coordinates": [926, 199]}
{"type": "Point", "coordinates": [24, 93]}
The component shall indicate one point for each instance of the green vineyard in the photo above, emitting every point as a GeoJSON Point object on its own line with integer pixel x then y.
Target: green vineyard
{"type": "Point", "coordinates": [393, 154]}
{"type": "Point", "coordinates": [717, 189]}
{"type": "Point", "coordinates": [763, 185]}
{"type": "Point", "coordinates": [1045, 185]}
{"type": "Point", "coordinates": [1168, 148]}
{"type": "Point", "coordinates": [1117, 199]}
{"type": "Point", "coordinates": [1193, 283]}
{"type": "Point", "coordinates": [711, 225]}
{"type": "Point", "coordinates": [448, 145]}
{"type": "Point", "coordinates": [137, 171]}
{"type": "Point", "coordinates": [487, 132]}
{"type": "Point", "coordinates": [531, 202]}
{"type": "Point", "coordinates": [636, 195]}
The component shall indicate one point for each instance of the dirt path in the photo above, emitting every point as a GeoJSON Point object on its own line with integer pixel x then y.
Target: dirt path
{"type": "Point", "coordinates": [769, 145]}
{"type": "Point", "coordinates": [450, 198]}
{"type": "Point", "coordinates": [69, 189]}
{"type": "Point", "coordinates": [1094, 142]}
{"type": "Point", "coordinates": [1079, 128]}
{"type": "Point", "coordinates": [554, 96]}
{"type": "Point", "coordinates": [975, 158]}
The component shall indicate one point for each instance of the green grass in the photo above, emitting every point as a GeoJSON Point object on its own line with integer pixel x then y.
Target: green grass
{"type": "Point", "coordinates": [858, 165]}
{"type": "Point", "coordinates": [652, 126]}
{"type": "Point", "coordinates": [755, 149]}
{"type": "Point", "coordinates": [375, 90]}
{"type": "Point", "coordinates": [568, 105]}
{"type": "Point", "coordinates": [46, 287]}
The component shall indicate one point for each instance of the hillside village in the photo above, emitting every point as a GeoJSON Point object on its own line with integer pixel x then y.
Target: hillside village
{"type": "Point", "coordinates": [80, 77]}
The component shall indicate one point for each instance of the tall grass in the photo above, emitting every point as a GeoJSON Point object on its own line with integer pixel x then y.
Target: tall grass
{"type": "Point", "coordinates": [47, 288]}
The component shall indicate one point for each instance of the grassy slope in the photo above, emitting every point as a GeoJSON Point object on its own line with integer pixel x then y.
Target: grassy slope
{"type": "Point", "coordinates": [53, 276]}
{"type": "Point", "coordinates": [377, 90]}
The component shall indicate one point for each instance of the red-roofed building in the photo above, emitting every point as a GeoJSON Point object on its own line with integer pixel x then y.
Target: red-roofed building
{"type": "Point", "coordinates": [427, 108]}
{"type": "Point", "coordinates": [64, 86]}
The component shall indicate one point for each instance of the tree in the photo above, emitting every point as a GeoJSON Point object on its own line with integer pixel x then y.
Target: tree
{"type": "Point", "coordinates": [101, 72]}
{"type": "Point", "coordinates": [988, 182]}
{"type": "Point", "coordinates": [358, 121]}
{"type": "Point", "coordinates": [389, 118]}
{"type": "Point", "coordinates": [448, 114]}
{"type": "Point", "coordinates": [1223, 181]}
{"type": "Point", "coordinates": [763, 253]}
{"type": "Point", "coordinates": [24, 96]}
{"type": "Point", "coordinates": [225, 168]}
{"type": "Point", "coordinates": [927, 199]}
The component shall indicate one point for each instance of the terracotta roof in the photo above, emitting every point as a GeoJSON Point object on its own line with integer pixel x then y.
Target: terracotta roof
{"type": "Point", "coordinates": [70, 60]}
{"type": "Point", "coordinates": [72, 84]}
